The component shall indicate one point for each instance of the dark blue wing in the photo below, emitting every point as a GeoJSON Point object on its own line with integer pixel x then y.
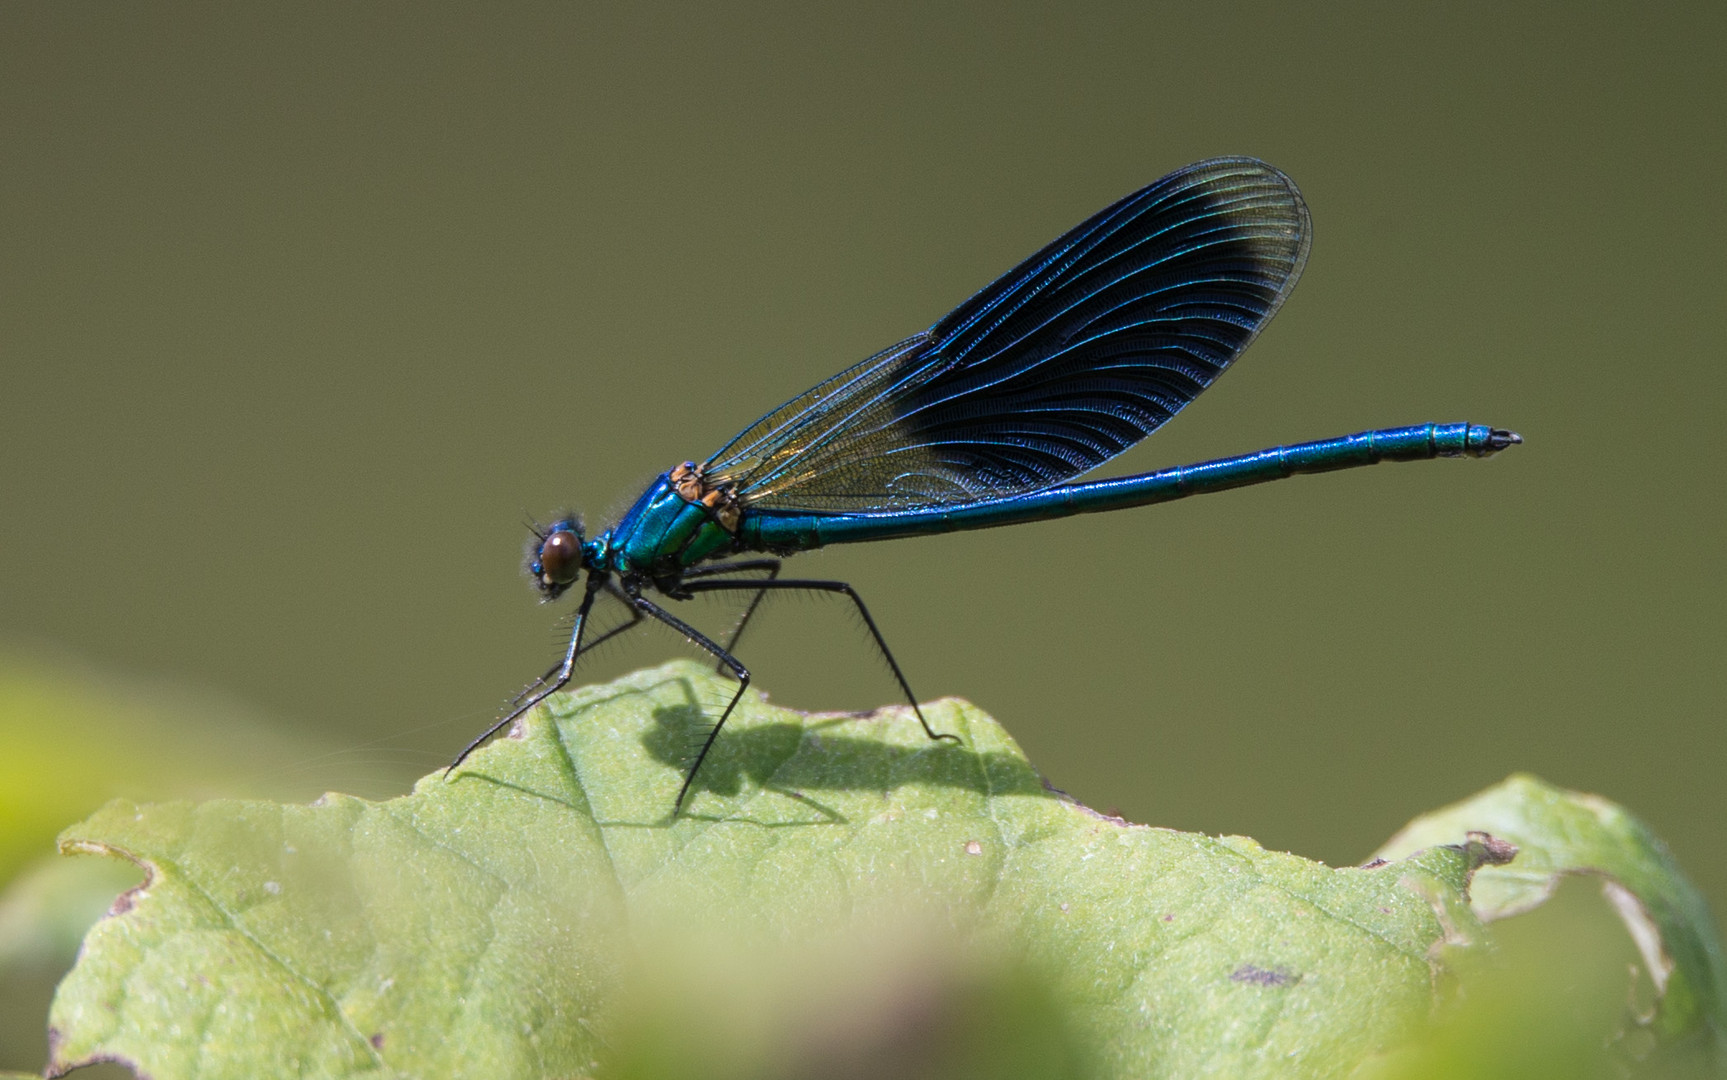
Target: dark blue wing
{"type": "Point", "coordinates": [1070, 358]}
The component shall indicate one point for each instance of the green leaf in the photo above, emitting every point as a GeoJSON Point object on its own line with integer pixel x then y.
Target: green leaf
{"type": "Point", "coordinates": [75, 739]}
{"type": "Point", "coordinates": [1561, 834]}
{"type": "Point", "coordinates": [841, 893]}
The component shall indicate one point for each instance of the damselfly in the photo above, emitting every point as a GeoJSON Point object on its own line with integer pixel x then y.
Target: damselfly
{"type": "Point", "coordinates": [1064, 362]}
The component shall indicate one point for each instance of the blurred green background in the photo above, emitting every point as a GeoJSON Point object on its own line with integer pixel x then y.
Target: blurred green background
{"type": "Point", "coordinates": [304, 310]}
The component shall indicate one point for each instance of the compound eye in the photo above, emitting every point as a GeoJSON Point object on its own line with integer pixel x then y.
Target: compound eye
{"type": "Point", "coordinates": [561, 557]}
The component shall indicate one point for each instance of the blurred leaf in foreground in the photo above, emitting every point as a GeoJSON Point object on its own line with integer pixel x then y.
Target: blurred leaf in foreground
{"type": "Point", "coordinates": [1674, 1015]}
{"type": "Point", "coordinates": [73, 740]}
{"type": "Point", "coordinates": [1552, 1004]}
{"type": "Point", "coordinates": [841, 898]}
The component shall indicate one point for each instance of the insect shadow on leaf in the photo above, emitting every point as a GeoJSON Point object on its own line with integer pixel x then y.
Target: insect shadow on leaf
{"type": "Point", "coordinates": [792, 758]}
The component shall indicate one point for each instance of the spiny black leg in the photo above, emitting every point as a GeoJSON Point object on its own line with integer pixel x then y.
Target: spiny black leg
{"type": "Point", "coordinates": [742, 566]}
{"type": "Point", "coordinates": [746, 566]}
{"type": "Point", "coordinates": [636, 618]}
{"type": "Point", "coordinates": [557, 666]}
{"type": "Point", "coordinates": [738, 670]}
{"type": "Point", "coordinates": [833, 587]}
{"type": "Point", "coordinates": [560, 678]}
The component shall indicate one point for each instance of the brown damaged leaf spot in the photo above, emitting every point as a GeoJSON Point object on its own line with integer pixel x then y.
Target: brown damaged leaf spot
{"type": "Point", "coordinates": [126, 900]}
{"type": "Point", "coordinates": [123, 903]}
{"type": "Point", "coordinates": [1485, 849]}
{"type": "Point", "coordinates": [1113, 816]}
{"type": "Point", "coordinates": [1254, 975]}
{"type": "Point", "coordinates": [1113, 819]}
{"type": "Point", "coordinates": [1481, 849]}
{"type": "Point", "coordinates": [61, 1068]}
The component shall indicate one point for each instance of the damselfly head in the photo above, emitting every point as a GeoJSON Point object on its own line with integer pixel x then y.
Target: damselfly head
{"type": "Point", "coordinates": [555, 558]}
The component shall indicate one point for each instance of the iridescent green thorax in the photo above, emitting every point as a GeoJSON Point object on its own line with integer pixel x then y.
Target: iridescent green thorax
{"type": "Point", "coordinates": [668, 530]}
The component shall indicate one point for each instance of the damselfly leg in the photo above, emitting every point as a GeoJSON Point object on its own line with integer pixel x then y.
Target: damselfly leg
{"type": "Point", "coordinates": [743, 566]}
{"type": "Point", "coordinates": [636, 619]}
{"type": "Point", "coordinates": [741, 673]}
{"type": "Point", "coordinates": [857, 601]}
{"type": "Point", "coordinates": [557, 681]}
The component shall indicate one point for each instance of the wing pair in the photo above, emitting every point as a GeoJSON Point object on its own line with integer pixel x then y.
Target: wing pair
{"type": "Point", "coordinates": [1070, 358]}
